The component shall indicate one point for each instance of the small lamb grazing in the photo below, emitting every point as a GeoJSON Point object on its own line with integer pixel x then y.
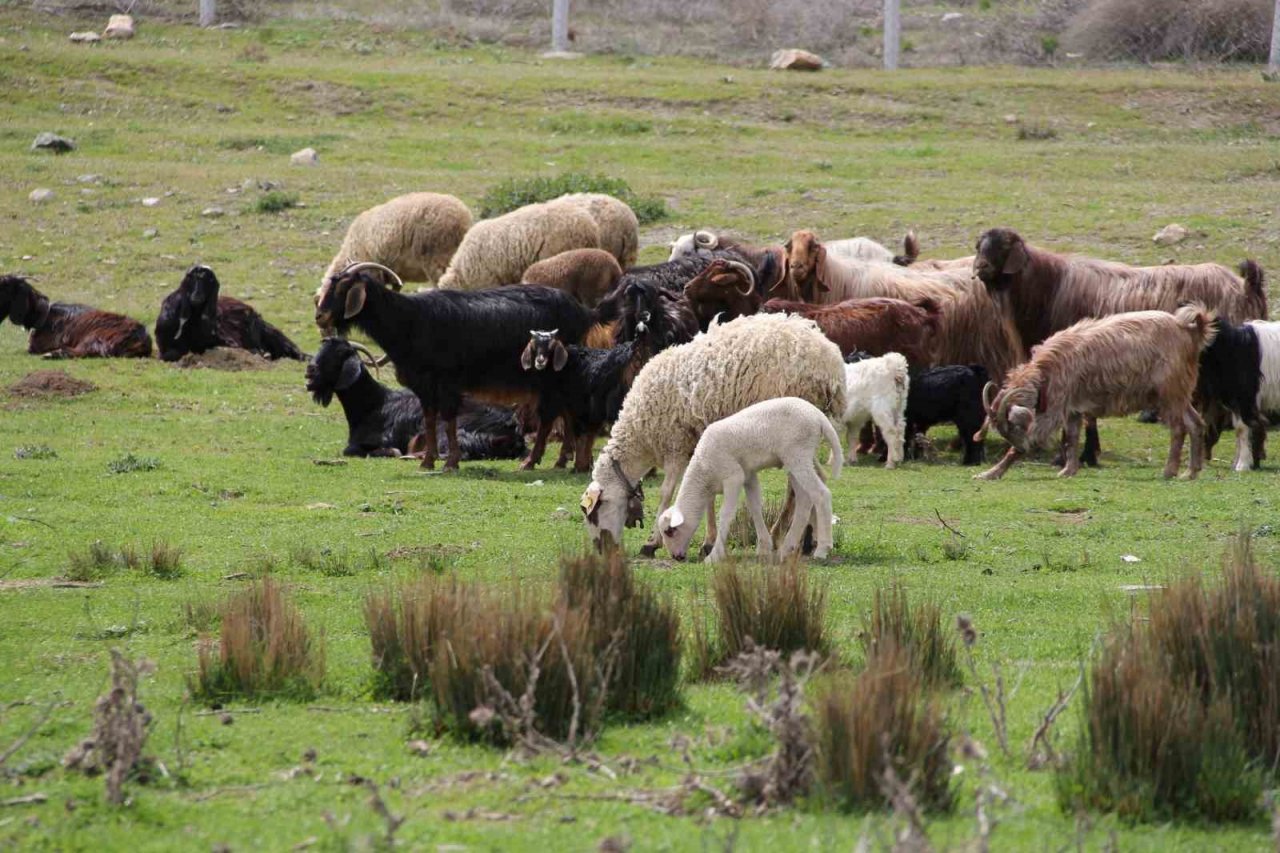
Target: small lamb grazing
{"type": "Point", "coordinates": [781, 433]}
{"type": "Point", "coordinates": [875, 389]}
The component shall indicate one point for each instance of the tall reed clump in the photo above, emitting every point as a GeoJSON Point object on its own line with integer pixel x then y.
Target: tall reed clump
{"type": "Point", "coordinates": [633, 625]}
{"type": "Point", "coordinates": [1181, 711]}
{"type": "Point", "coordinates": [264, 650]}
{"type": "Point", "coordinates": [773, 607]}
{"type": "Point", "coordinates": [880, 730]}
{"type": "Point", "coordinates": [404, 622]}
{"type": "Point", "coordinates": [916, 630]}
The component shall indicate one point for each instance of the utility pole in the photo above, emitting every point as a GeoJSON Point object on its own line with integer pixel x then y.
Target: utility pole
{"type": "Point", "coordinates": [1274, 62]}
{"type": "Point", "coordinates": [893, 34]}
{"type": "Point", "coordinates": [560, 26]}
{"type": "Point", "coordinates": [208, 12]}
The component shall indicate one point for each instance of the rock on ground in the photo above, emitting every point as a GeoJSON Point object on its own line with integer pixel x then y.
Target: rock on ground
{"type": "Point", "coordinates": [305, 157]}
{"type": "Point", "coordinates": [119, 27]}
{"type": "Point", "coordinates": [794, 59]}
{"type": "Point", "coordinates": [41, 195]}
{"type": "Point", "coordinates": [1170, 234]}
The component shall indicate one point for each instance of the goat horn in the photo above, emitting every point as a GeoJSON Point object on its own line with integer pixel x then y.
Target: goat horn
{"type": "Point", "coordinates": [705, 239]}
{"type": "Point", "coordinates": [372, 359]}
{"type": "Point", "coordinates": [360, 265]}
{"type": "Point", "coordinates": [988, 395]}
{"type": "Point", "coordinates": [746, 271]}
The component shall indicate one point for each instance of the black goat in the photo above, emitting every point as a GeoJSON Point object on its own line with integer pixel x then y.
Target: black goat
{"type": "Point", "coordinates": [66, 330]}
{"type": "Point", "coordinates": [384, 422]}
{"type": "Point", "coordinates": [951, 393]}
{"type": "Point", "coordinates": [194, 318]}
{"type": "Point", "coordinates": [445, 342]}
{"type": "Point", "coordinates": [1240, 374]}
{"type": "Point", "coordinates": [584, 386]}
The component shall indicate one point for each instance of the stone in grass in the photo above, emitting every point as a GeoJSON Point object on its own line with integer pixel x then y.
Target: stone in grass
{"type": "Point", "coordinates": [1170, 234]}
{"type": "Point", "coordinates": [119, 27]}
{"type": "Point", "coordinates": [794, 59]}
{"type": "Point", "coordinates": [150, 234]}
{"type": "Point", "coordinates": [212, 212]}
{"type": "Point", "coordinates": [53, 142]}
{"type": "Point", "coordinates": [150, 201]}
{"type": "Point", "coordinates": [85, 38]}
{"type": "Point", "coordinates": [305, 157]}
{"type": "Point", "coordinates": [40, 195]}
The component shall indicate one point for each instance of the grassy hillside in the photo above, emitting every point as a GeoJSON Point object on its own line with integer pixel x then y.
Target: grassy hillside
{"type": "Point", "coordinates": [188, 117]}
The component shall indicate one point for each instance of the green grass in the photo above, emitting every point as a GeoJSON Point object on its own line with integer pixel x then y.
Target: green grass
{"type": "Point", "coordinates": [237, 492]}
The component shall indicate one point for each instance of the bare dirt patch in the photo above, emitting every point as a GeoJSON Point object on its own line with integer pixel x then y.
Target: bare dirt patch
{"type": "Point", "coordinates": [224, 358]}
{"type": "Point", "coordinates": [43, 384]}
{"type": "Point", "coordinates": [332, 98]}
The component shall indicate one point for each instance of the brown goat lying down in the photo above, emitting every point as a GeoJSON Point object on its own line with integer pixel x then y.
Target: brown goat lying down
{"type": "Point", "coordinates": [971, 327]}
{"type": "Point", "coordinates": [66, 330]}
{"type": "Point", "coordinates": [1113, 365]}
{"type": "Point", "coordinates": [876, 326]}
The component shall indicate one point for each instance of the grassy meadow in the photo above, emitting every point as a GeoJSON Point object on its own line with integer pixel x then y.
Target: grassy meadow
{"type": "Point", "coordinates": [196, 119]}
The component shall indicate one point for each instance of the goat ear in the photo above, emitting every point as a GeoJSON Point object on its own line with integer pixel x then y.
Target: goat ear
{"type": "Point", "coordinates": [526, 357]}
{"type": "Point", "coordinates": [560, 357]}
{"type": "Point", "coordinates": [1017, 259]}
{"type": "Point", "coordinates": [817, 267]}
{"type": "Point", "coordinates": [19, 308]}
{"type": "Point", "coordinates": [40, 310]}
{"type": "Point", "coordinates": [355, 300]}
{"type": "Point", "coordinates": [351, 370]}
{"type": "Point", "coordinates": [786, 247]}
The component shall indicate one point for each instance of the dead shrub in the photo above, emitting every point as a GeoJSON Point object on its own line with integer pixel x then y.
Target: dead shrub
{"type": "Point", "coordinates": [916, 630]}
{"type": "Point", "coordinates": [773, 607]}
{"type": "Point", "coordinates": [265, 650]}
{"type": "Point", "coordinates": [121, 726]}
{"type": "Point", "coordinates": [1185, 30]}
{"type": "Point", "coordinates": [404, 622]}
{"type": "Point", "coordinates": [1181, 711]}
{"type": "Point", "coordinates": [883, 719]}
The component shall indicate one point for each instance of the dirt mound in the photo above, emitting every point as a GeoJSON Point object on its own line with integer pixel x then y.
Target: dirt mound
{"type": "Point", "coordinates": [50, 383]}
{"type": "Point", "coordinates": [225, 358]}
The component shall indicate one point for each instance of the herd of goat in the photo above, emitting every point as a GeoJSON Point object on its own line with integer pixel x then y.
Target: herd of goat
{"type": "Point", "coordinates": [540, 317]}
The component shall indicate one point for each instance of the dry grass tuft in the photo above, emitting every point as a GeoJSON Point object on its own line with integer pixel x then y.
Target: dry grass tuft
{"type": "Point", "coordinates": [916, 630]}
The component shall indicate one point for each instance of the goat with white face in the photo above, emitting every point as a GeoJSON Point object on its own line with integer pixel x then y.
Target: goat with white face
{"type": "Point", "coordinates": [780, 433]}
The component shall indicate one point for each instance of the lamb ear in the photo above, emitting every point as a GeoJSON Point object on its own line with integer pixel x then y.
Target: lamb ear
{"type": "Point", "coordinates": [1017, 259]}
{"type": "Point", "coordinates": [675, 519]}
{"type": "Point", "coordinates": [560, 357]}
{"type": "Point", "coordinates": [526, 357]}
{"type": "Point", "coordinates": [355, 300]}
{"type": "Point", "coordinates": [350, 375]}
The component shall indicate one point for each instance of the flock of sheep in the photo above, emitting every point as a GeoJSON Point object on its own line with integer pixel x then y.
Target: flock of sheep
{"type": "Point", "coordinates": [728, 357]}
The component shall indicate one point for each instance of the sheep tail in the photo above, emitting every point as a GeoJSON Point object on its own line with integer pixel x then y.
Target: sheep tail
{"type": "Point", "coordinates": [832, 436]}
{"type": "Point", "coordinates": [1200, 321]}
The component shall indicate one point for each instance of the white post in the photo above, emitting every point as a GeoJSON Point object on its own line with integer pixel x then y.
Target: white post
{"type": "Point", "coordinates": [1274, 62]}
{"type": "Point", "coordinates": [208, 12]}
{"type": "Point", "coordinates": [893, 34]}
{"type": "Point", "coordinates": [560, 26]}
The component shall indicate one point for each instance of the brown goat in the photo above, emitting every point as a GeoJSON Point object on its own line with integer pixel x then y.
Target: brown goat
{"type": "Point", "coordinates": [971, 327]}
{"type": "Point", "coordinates": [1114, 365]}
{"type": "Point", "coordinates": [876, 326]}
{"type": "Point", "coordinates": [65, 330]}
{"type": "Point", "coordinates": [726, 289]}
{"type": "Point", "coordinates": [586, 274]}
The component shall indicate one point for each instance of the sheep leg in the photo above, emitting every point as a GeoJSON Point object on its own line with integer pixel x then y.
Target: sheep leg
{"type": "Point", "coordinates": [788, 512]}
{"type": "Point", "coordinates": [799, 522]}
{"type": "Point", "coordinates": [891, 427]}
{"type": "Point", "coordinates": [671, 474]}
{"type": "Point", "coordinates": [732, 488]}
{"type": "Point", "coordinates": [1177, 436]}
{"type": "Point", "coordinates": [997, 471]}
{"type": "Point", "coordinates": [429, 430]}
{"type": "Point", "coordinates": [1070, 438]}
{"type": "Point", "coordinates": [851, 452]}
{"type": "Point", "coordinates": [866, 438]}
{"type": "Point", "coordinates": [755, 504]}
{"type": "Point", "coordinates": [455, 449]}
{"type": "Point", "coordinates": [1193, 423]}
{"type": "Point", "coordinates": [818, 497]}
{"type": "Point", "coordinates": [1092, 445]}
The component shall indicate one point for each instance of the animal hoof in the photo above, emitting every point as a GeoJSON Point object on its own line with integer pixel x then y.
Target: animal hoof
{"type": "Point", "coordinates": [527, 465]}
{"type": "Point", "coordinates": [648, 551]}
{"type": "Point", "coordinates": [428, 465]}
{"type": "Point", "coordinates": [582, 469]}
{"type": "Point", "coordinates": [821, 553]}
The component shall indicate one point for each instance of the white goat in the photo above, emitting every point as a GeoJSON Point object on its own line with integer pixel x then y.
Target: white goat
{"type": "Point", "coordinates": [783, 432]}
{"type": "Point", "coordinates": [875, 389]}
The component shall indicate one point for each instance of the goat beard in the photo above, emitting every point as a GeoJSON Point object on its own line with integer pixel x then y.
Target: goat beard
{"type": "Point", "coordinates": [324, 398]}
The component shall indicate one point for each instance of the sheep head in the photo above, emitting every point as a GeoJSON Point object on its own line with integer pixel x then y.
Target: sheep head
{"type": "Point", "coordinates": [610, 503]}
{"type": "Point", "coordinates": [343, 298]}
{"type": "Point", "coordinates": [693, 244]}
{"type": "Point", "coordinates": [1001, 254]}
{"type": "Point", "coordinates": [544, 348]}
{"type": "Point", "coordinates": [676, 531]}
{"type": "Point", "coordinates": [24, 305]}
{"type": "Point", "coordinates": [725, 287]}
{"type": "Point", "coordinates": [805, 255]}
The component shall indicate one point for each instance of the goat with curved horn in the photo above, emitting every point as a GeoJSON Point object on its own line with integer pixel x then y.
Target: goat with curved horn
{"type": "Point", "coordinates": [396, 283]}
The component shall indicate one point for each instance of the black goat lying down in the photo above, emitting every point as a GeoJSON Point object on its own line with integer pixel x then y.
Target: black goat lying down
{"type": "Point", "coordinates": [66, 330]}
{"type": "Point", "coordinates": [194, 318]}
{"type": "Point", "coordinates": [384, 422]}
{"type": "Point", "coordinates": [585, 386]}
{"type": "Point", "coordinates": [447, 342]}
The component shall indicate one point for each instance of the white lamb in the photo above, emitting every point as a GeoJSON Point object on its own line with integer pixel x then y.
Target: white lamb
{"type": "Point", "coordinates": [779, 433]}
{"type": "Point", "coordinates": [875, 389]}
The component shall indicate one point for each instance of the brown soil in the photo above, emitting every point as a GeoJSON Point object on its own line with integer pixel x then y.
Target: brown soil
{"type": "Point", "coordinates": [50, 383]}
{"type": "Point", "coordinates": [225, 358]}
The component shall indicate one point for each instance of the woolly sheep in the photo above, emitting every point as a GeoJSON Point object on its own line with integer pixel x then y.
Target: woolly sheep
{"type": "Point", "coordinates": [415, 235]}
{"type": "Point", "coordinates": [684, 389]}
{"type": "Point", "coordinates": [782, 433]}
{"type": "Point", "coordinates": [497, 251]}
{"type": "Point", "coordinates": [587, 274]}
{"type": "Point", "coordinates": [875, 389]}
{"type": "Point", "coordinates": [619, 228]}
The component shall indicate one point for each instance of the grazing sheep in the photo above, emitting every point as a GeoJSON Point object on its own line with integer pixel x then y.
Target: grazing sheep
{"type": "Point", "coordinates": [447, 342]}
{"type": "Point", "coordinates": [415, 235]}
{"type": "Point", "coordinates": [877, 325]}
{"type": "Point", "coordinates": [619, 228]}
{"type": "Point", "coordinates": [385, 422]}
{"type": "Point", "coordinates": [65, 330]}
{"type": "Point", "coordinates": [1114, 365]}
{"type": "Point", "coordinates": [972, 329]}
{"type": "Point", "coordinates": [194, 318]}
{"type": "Point", "coordinates": [1043, 292]}
{"type": "Point", "coordinates": [685, 388]}
{"type": "Point", "coordinates": [497, 251]}
{"type": "Point", "coordinates": [875, 389]}
{"type": "Point", "coordinates": [587, 274]}
{"type": "Point", "coordinates": [781, 433]}
{"type": "Point", "coordinates": [1240, 372]}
